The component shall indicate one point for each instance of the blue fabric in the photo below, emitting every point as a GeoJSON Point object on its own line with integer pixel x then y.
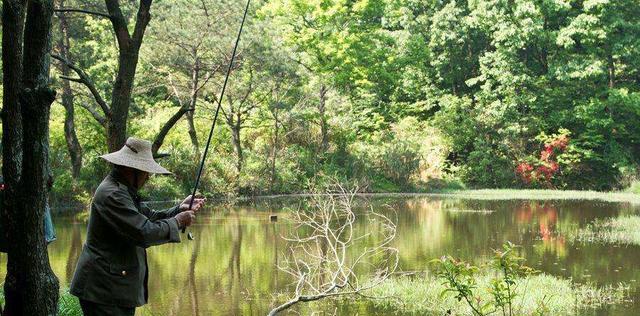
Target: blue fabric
{"type": "Point", "coordinates": [49, 230]}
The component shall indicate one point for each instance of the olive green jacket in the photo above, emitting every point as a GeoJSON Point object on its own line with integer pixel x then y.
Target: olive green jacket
{"type": "Point", "coordinates": [112, 268]}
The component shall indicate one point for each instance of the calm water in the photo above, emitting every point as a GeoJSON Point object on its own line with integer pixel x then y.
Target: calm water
{"type": "Point", "coordinates": [230, 268]}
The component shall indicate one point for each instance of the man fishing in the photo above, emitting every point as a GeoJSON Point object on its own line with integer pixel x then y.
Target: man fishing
{"type": "Point", "coordinates": [111, 276]}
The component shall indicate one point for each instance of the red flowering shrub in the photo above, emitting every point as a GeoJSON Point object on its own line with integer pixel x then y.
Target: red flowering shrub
{"type": "Point", "coordinates": [542, 170]}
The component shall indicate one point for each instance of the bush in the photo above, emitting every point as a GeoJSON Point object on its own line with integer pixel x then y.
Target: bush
{"type": "Point", "coordinates": [635, 187]}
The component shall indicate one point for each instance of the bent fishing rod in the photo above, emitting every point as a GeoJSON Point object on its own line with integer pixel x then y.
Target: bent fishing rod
{"type": "Point", "coordinates": [215, 118]}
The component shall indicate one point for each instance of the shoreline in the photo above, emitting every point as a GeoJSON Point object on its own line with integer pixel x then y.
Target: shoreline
{"type": "Point", "coordinates": [480, 194]}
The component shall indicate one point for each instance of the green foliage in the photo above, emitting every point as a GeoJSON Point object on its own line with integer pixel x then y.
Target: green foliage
{"type": "Point", "coordinates": [68, 305]}
{"type": "Point", "coordinates": [421, 295]}
{"type": "Point", "coordinates": [460, 278]}
{"type": "Point", "coordinates": [411, 95]}
{"type": "Point", "coordinates": [635, 187]}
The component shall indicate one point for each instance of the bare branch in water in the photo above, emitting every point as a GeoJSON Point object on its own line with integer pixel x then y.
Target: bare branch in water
{"type": "Point", "coordinates": [328, 257]}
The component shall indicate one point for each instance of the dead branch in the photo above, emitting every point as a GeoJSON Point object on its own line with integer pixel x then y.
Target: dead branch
{"type": "Point", "coordinates": [62, 10]}
{"type": "Point", "coordinates": [329, 257]}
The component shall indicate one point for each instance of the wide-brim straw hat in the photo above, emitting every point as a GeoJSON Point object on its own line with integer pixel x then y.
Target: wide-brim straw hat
{"type": "Point", "coordinates": [136, 153]}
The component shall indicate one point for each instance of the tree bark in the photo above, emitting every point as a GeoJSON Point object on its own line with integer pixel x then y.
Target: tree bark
{"type": "Point", "coordinates": [129, 48]}
{"type": "Point", "coordinates": [237, 144]}
{"type": "Point", "coordinates": [31, 287]}
{"type": "Point", "coordinates": [166, 128]}
{"type": "Point", "coordinates": [13, 14]}
{"type": "Point", "coordinates": [274, 154]}
{"type": "Point", "coordinates": [324, 127]}
{"type": "Point", "coordinates": [192, 104]}
{"type": "Point", "coordinates": [611, 67]}
{"type": "Point", "coordinates": [192, 133]}
{"type": "Point", "coordinates": [73, 145]}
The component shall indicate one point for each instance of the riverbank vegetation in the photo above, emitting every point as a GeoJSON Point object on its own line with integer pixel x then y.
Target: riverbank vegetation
{"type": "Point", "coordinates": [68, 305]}
{"type": "Point", "coordinates": [623, 230]}
{"type": "Point", "coordinates": [405, 96]}
{"type": "Point", "coordinates": [422, 295]}
{"type": "Point", "coordinates": [503, 286]}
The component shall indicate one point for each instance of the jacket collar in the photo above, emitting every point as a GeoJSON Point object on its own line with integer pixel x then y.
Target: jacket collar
{"type": "Point", "coordinates": [133, 192]}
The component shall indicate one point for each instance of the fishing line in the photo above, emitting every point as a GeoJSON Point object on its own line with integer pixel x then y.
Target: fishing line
{"type": "Point", "coordinates": [215, 118]}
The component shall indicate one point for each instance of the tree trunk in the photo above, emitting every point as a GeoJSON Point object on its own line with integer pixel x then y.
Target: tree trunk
{"type": "Point", "coordinates": [121, 99]}
{"type": "Point", "coordinates": [129, 48]}
{"type": "Point", "coordinates": [73, 145]}
{"type": "Point", "coordinates": [324, 127]}
{"type": "Point", "coordinates": [192, 104]}
{"type": "Point", "coordinates": [274, 154]}
{"type": "Point", "coordinates": [192, 133]}
{"type": "Point", "coordinates": [13, 13]}
{"type": "Point", "coordinates": [237, 145]}
{"type": "Point", "coordinates": [31, 287]}
{"type": "Point", "coordinates": [611, 67]}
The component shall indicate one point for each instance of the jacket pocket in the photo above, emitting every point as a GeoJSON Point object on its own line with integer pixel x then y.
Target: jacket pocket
{"type": "Point", "coordinates": [122, 270]}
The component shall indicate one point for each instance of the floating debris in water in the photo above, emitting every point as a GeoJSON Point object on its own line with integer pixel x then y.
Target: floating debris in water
{"type": "Point", "coordinates": [470, 211]}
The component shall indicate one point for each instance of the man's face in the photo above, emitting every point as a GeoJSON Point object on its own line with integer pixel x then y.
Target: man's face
{"type": "Point", "coordinates": [142, 178]}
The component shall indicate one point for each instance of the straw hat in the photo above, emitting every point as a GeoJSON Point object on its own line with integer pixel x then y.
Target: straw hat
{"type": "Point", "coordinates": [136, 153]}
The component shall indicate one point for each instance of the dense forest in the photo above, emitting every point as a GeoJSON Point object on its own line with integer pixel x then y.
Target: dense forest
{"type": "Point", "coordinates": [399, 95]}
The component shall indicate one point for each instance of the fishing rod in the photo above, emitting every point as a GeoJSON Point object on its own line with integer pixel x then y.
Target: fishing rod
{"type": "Point", "coordinates": [215, 118]}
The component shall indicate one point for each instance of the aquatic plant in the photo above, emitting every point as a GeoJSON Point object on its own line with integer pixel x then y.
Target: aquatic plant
{"type": "Point", "coordinates": [459, 278]}
{"type": "Point", "coordinates": [617, 230]}
{"type": "Point", "coordinates": [504, 286]}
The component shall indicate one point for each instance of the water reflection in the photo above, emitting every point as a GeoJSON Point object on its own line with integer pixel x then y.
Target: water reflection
{"type": "Point", "coordinates": [231, 266]}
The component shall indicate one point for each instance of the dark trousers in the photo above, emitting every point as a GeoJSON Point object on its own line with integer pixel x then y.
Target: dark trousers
{"type": "Point", "coordinates": [95, 309]}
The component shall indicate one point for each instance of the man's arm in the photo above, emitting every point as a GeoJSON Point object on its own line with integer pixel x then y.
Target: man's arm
{"type": "Point", "coordinates": [157, 215]}
{"type": "Point", "coordinates": [120, 212]}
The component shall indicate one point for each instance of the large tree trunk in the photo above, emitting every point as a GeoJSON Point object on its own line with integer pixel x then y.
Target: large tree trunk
{"type": "Point", "coordinates": [73, 145]}
{"type": "Point", "coordinates": [13, 13]}
{"type": "Point", "coordinates": [129, 48]}
{"type": "Point", "coordinates": [121, 99]}
{"type": "Point", "coordinates": [31, 287]}
{"type": "Point", "coordinates": [324, 127]}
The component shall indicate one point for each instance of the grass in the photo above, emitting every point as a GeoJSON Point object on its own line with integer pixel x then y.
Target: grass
{"type": "Point", "coordinates": [618, 230]}
{"type": "Point", "coordinates": [68, 305]}
{"type": "Point", "coordinates": [423, 296]}
{"type": "Point", "coordinates": [518, 194]}
{"type": "Point", "coordinates": [634, 188]}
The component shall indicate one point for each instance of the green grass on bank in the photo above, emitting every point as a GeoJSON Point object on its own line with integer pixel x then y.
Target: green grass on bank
{"type": "Point", "coordinates": [517, 194]}
{"type": "Point", "coordinates": [634, 188]}
{"type": "Point", "coordinates": [423, 296]}
{"type": "Point", "coordinates": [68, 305]}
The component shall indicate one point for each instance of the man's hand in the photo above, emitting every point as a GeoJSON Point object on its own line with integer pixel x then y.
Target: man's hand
{"type": "Point", "coordinates": [185, 219]}
{"type": "Point", "coordinates": [197, 203]}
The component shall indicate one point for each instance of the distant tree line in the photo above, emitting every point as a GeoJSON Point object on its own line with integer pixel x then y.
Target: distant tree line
{"type": "Point", "coordinates": [402, 95]}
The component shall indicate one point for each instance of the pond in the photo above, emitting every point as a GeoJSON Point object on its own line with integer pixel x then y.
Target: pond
{"type": "Point", "coordinates": [230, 267]}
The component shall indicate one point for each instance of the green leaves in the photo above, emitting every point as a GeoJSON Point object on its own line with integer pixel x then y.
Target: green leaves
{"type": "Point", "coordinates": [459, 278]}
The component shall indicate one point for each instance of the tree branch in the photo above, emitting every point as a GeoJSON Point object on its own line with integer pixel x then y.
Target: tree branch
{"type": "Point", "coordinates": [104, 15]}
{"type": "Point", "coordinates": [84, 79]}
{"type": "Point", "coordinates": [119, 23]}
{"type": "Point", "coordinates": [141, 22]}
{"type": "Point", "coordinates": [167, 127]}
{"type": "Point", "coordinates": [96, 115]}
